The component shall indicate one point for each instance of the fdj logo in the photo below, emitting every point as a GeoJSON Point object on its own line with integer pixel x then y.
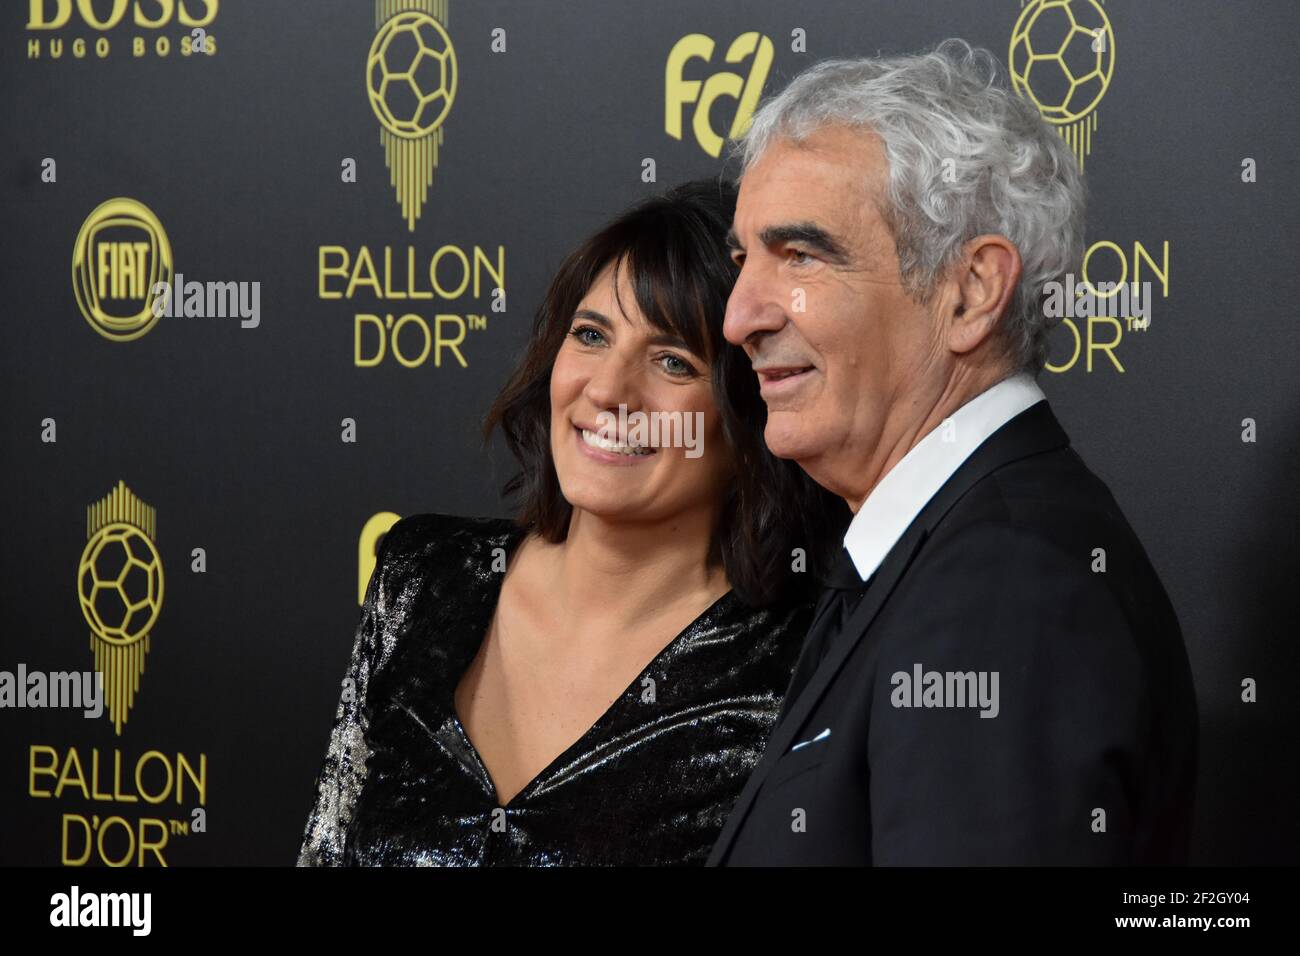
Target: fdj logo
{"type": "Point", "coordinates": [120, 254]}
{"type": "Point", "coordinates": [679, 91]}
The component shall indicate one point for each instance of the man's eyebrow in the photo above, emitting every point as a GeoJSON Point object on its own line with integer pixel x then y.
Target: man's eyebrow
{"type": "Point", "coordinates": [809, 234]}
{"type": "Point", "coordinates": [733, 243]}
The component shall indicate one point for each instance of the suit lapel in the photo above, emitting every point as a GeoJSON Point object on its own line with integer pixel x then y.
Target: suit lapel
{"type": "Point", "coordinates": [1033, 431]}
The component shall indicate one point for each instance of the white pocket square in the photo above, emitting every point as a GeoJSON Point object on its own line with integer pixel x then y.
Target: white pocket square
{"type": "Point", "coordinates": [804, 743]}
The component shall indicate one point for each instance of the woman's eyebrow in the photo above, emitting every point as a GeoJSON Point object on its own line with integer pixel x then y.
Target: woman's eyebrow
{"type": "Point", "coordinates": [666, 338]}
{"type": "Point", "coordinates": [591, 315]}
{"type": "Point", "coordinates": [659, 338]}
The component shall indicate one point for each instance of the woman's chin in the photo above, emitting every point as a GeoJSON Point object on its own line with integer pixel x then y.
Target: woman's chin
{"type": "Point", "coordinates": [606, 507]}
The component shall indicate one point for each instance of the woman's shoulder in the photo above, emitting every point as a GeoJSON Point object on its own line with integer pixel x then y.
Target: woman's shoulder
{"type": "Point", "coordinates": [774, 629]}
{"type": "Point", "coordinates": [439, 538]}
{"type": "Point", "coordinates": [455, 557]}
{"type": "Point", "coordinates": [739, 647]}
{"type": "Point", "coordinates": [790, 604]}
{"type": "Point", "coordinates": [789, 611]}
{"type": "Point", "coordinates": [436, 579]}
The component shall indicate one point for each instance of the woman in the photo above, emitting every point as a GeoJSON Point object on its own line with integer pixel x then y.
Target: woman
{"type": "Point", "coordinates": [593, 682]}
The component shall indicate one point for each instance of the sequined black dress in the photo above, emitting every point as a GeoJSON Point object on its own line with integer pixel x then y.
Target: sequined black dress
{"type": "Point", "coordinates": [650, 783]}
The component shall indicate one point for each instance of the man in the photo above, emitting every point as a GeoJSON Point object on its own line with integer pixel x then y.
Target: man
{"type": "Point", "coordinates": [995, 674]}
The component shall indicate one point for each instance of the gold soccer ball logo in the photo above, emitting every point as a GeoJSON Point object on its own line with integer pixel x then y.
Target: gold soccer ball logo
{"type": "Point", "coordinates": [1062, 57]}
{"type": "Point", "coordinates": [411, 74]}
{"type": "Point", "coordinates": [120, 583]}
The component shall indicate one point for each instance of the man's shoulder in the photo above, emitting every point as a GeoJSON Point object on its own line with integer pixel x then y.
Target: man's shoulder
{"type": "Point", "coordinates": [1050, 501]}
{"type": "Point", "coordinates": [1040, 525]}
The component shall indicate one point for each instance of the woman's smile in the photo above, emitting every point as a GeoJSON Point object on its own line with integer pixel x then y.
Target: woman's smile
{"type": "Point", "coordinates": [607, 451]}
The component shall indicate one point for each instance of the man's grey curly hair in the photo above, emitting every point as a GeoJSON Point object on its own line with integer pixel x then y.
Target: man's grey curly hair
{"type": "Point", "coordinates": [1009, 174]}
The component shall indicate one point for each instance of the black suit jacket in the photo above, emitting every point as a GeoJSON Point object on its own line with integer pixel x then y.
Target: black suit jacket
{"type": "Point", "coordinates": [1091, 757]}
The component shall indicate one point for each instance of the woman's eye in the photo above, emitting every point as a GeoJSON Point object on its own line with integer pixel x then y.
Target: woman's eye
{"type": "Point", "coordinates": [675, 365]}
{"type": "Point", "coordinates": [585, 333]}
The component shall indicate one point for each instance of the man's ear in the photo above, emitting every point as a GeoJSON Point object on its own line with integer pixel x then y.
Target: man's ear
{"type": "Point", "coordinates": [986, 280]}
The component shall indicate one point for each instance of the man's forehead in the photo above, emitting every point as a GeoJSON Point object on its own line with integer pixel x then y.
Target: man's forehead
{"type": "Point", "coordinates": [828, 178]}
{"type": "Point", "coordinates": [838, 219]}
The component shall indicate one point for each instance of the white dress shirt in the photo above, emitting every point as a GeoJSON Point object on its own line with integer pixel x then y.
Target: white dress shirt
{"type": "Point", "coordinates": [907, 487]}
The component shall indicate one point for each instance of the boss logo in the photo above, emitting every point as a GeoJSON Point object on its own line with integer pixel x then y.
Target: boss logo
{"type": "Point", "coordinates": [56, 14]}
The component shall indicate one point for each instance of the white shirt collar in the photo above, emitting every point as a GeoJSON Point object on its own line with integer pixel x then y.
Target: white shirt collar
{"type": "Point", "coordinates": [898, 498]}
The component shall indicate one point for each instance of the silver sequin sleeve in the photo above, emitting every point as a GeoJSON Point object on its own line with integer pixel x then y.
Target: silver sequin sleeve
{"type": "Point", "coordinates": [343, 771]}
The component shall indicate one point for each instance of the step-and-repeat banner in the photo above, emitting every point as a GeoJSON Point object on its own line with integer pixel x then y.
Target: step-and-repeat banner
{"type": "Point", "coordinates": [357, 205]}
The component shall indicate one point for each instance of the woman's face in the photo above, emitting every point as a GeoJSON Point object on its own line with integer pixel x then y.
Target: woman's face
{"type": "Point", "coordinates": [668, 457]}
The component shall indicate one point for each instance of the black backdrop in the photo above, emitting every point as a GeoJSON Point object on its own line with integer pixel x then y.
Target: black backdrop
{"type": "Point", "coordinates": [233, 435]}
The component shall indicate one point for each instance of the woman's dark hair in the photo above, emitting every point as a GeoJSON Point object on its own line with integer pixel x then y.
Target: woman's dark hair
{"type": "Point", "coordinates": [674, 247]}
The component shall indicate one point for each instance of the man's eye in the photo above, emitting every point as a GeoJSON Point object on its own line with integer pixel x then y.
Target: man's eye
{"type": "Point", "coordinates": [799, 257]}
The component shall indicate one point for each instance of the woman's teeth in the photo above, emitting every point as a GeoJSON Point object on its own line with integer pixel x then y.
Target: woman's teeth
{"type": "Point", "coordinates": [595, 440]}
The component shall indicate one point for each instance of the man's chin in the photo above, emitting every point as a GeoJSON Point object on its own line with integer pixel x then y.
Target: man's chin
{"type": "Point", "coordinates": [785, 437]}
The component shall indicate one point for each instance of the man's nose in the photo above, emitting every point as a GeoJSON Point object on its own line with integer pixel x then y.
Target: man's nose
{"type": "Point", "coordinates": [751, 310]}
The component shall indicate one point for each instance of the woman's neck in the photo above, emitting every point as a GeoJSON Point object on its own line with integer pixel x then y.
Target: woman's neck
{"type": "Point", "coordinates": [618, 573]}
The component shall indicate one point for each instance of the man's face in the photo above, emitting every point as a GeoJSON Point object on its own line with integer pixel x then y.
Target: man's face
{"type": "Point", "coordinates": [819, 307]}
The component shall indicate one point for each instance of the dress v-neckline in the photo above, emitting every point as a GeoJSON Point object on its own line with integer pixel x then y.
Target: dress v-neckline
{"type": "Point", "coordinates": [524, 791]}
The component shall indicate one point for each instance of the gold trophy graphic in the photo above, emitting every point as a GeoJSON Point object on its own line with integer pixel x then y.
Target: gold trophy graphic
{"type": "Point", "coordinates": [120, 587]}
{"type": "Point", "coordinates": [411, 81]}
